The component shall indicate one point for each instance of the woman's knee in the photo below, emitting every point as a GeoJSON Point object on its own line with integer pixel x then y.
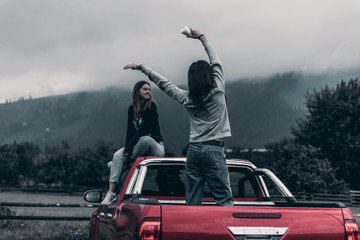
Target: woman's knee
{"type": "Point", "coordinates": [145, 140]}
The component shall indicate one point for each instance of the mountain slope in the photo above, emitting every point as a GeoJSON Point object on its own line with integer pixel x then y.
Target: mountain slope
{"type": "Point", "coordinates": [259, 113]}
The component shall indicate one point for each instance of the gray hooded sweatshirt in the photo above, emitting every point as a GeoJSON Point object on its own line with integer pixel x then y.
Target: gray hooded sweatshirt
{"type": "Point", "coordinates": [212, 123]}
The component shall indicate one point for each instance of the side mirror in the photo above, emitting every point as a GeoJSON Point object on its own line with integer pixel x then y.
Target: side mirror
{"type": "Point", "coordinates": [93, 196]}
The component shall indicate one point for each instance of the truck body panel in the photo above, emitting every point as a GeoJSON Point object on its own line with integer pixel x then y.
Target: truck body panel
{"type": "Point", "coordinates": [194, 222]}
{"type": "Point", "coordinates": [151, 205]}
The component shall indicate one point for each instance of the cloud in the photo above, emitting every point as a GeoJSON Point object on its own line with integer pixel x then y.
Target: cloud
{"type": "Point", "coordinates": [41, 84]}
{"type": "Point", "coordinates": [93, 40]}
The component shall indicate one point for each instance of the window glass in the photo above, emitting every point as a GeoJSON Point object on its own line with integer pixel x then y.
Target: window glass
{"type": "Point", "coordinates": [162, 180]}
{"type": "Point", "coordinates": [274, 193]}
{"type": "Point", "coordinates": [243, 183]}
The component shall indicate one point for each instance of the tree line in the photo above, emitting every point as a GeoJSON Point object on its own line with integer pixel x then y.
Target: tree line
{"type": "Point", "coordinates": [58, 165]}
{"type": "Point", "coordinates": [320, 156]}
{"type": "Point", "coordinates": [323, 153]}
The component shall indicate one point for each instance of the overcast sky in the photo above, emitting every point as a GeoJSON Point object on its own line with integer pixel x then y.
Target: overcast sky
{"type": "Point", "coordinates": [58, 46]}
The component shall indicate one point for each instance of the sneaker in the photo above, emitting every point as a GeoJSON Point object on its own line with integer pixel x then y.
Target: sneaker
{"type": "Point", "coordinates": [109, 164]}
{"type": "Point", "coordinates": [109, 198]}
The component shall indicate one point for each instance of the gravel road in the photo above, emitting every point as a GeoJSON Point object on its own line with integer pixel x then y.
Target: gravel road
{"type": "Point", "coordinates": [34, 229]}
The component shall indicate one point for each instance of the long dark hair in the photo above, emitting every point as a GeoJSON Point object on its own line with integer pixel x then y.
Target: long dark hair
{"type": "Point", "coordinates": [140, 106]}
{"type": "Point", "coordinates": [200, 81]}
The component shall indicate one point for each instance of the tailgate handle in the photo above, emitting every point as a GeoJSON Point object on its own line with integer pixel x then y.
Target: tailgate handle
{"type": "Point", "coordinates": [258, 238]}
{"type": "Point", "coordinates": [258, 233]}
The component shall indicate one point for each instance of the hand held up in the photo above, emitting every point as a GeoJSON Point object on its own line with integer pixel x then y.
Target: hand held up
{"type": "Point", "coordinates": [133, 66]}
{"type": "Point", "coordinates": [192, 33]}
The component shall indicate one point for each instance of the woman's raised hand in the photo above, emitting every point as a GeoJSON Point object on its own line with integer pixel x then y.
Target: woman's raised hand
{"type": "Point", "coordinates": [195, 33]}
{"type": "Point", "coordinates": [133, 66]}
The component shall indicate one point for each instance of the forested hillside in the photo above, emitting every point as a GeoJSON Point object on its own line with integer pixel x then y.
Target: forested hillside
{"type": "Point", "coordinates": [260, 112]}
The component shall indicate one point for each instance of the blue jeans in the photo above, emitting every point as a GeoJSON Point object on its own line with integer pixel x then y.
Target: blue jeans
{"type": "Point", "coordinates": [207, 163]}
{"type": "Point", "coordinates": [146, 145]}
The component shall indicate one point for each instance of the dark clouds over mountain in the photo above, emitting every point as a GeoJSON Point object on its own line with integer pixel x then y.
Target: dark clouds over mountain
{"type": "Point", "coordinates": [55, 47]}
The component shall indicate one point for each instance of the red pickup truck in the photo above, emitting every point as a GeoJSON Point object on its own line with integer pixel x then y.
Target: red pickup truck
{"type": "Point", "coordinates": [151, 205]}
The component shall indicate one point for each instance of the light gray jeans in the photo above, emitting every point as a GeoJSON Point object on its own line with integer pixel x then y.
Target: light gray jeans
{"type": "Point", "coordinates": [146, 145]}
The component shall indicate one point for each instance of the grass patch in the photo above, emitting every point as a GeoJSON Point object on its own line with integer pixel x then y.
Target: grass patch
{"type": "Point", "coordinates": [22, 229]}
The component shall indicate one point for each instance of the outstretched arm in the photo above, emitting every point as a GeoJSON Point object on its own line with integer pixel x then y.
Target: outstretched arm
{"type": "Point", "coordinates": [171, 89]}
{"type": "Point", "coordinates": [168, 87]}
{"type": "Point", "coordinates": [213, 58]}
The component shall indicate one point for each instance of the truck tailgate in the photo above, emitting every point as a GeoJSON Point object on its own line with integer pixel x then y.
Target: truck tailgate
{"type": "Point", "coordinates": [251, 222]}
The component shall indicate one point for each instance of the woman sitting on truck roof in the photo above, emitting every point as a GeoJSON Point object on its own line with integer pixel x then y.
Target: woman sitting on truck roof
{"type": "Point", "coordinates": [143, 136]}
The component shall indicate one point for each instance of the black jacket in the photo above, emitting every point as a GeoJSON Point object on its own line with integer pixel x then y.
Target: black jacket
{"type": "Point", "coordinates": [149, 127]}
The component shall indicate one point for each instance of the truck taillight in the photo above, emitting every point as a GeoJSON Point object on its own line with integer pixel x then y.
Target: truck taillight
{"type": "Point", "coordinates": [150, 229]}
{"type": "Point", "coordinates": [351, 230]}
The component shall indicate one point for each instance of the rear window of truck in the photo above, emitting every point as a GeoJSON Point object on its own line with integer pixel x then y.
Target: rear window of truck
{"type": "Point", "coordinates": [170, 181]}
